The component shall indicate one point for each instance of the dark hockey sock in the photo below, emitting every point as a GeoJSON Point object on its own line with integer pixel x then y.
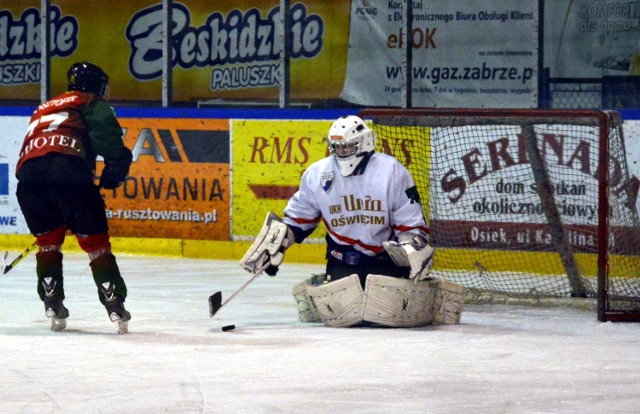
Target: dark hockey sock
{"type": "Point", "coordinates": [106, 275]}
{"type": "Point", "coordinates": [49, 271]}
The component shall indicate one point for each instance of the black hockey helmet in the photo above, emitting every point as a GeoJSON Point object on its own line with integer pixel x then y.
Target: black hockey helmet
{"type": "Point", "coordinates": [87, 77]}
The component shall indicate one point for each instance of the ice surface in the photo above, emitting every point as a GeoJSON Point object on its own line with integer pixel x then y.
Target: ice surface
{"type": "Point", "coordinates": [177, 360]}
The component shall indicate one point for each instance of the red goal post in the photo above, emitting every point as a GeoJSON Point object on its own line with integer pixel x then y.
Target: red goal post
{"type": "Point", "coordinates": [525, 205]}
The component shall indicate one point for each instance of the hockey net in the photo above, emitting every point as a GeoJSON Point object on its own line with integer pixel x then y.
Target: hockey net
{"type": "Point", "coordinates": [525, 206]}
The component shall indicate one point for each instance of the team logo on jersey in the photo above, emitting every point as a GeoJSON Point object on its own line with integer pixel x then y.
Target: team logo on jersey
{"type": "Point", "coordinates": [326, 179]}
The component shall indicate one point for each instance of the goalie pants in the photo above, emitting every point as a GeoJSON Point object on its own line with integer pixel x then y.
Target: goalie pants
{"type": "Point", "coordinates": [380, 264]}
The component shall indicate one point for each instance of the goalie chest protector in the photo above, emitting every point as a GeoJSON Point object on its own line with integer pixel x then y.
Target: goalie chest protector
{"type": "Point", "coordinates": [358, 210]}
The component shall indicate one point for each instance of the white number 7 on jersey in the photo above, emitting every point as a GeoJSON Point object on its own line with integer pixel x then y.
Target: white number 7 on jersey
{"type": "Point", "coordinates": [54, 121]}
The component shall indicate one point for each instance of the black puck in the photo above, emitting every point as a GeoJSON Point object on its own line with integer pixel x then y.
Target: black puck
{"type": "Point", "coordinates": [228, 328]}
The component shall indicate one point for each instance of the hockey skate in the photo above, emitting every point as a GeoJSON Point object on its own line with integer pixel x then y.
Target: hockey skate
{"type": "Point", "coordinates": [56, 312]}
{"type": "Point", "coordinates": [53, 307]}
{"type": "Point", "coordinates": [118, 314]}
{"type": "Point", "coordinates": [112, 290]}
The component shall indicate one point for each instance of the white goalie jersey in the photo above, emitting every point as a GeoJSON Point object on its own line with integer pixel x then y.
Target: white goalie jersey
{"type": "Point", "coordinates": [361, 211]}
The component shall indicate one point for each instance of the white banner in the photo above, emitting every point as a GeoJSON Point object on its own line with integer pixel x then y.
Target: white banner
{"type": "Point", "coordinates": [592, 38]}
{"type": "Point", "coordinates": [488, 177]}
{"type": "Point", "coordinates": [485, 187]}
{"type": "Point", "coordinates": [11, 136]}
{"type": "Point", "coordinates": [497, 69]}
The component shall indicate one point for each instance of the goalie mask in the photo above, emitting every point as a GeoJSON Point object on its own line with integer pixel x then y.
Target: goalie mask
{"type": "Point", "coordinates": [87, 77]}
{"type": "Point", "coordinates": [350, 143]}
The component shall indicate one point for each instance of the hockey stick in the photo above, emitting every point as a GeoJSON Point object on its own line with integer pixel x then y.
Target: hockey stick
{"type": "Point", "coordinates": [6, 267]}
{"type": "Point", "coordinates": [215, 300]}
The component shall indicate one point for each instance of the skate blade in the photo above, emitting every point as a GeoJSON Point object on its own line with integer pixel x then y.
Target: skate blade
{"type": "Point", "coordinates": [58, 324]}
{"type": "Point", "coordinates": [122, 324]}
{"type": "Point", "coordinates": [123, 327]}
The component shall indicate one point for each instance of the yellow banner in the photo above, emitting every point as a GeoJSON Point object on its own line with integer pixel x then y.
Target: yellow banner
{"type": "Point", "coordinates": [411, 145]}
{"type": "Point", "coordinates": [226, 49]}
{"type": "Point", "coordinates": [179, 184]}
{"type": "Point", "coordinates": [269, 158]}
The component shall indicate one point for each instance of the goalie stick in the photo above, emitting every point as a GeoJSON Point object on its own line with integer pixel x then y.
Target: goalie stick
{"type": "Point", "coordinates": [6, 267]}
{"type": "Point", "coordinates": [215, 300]}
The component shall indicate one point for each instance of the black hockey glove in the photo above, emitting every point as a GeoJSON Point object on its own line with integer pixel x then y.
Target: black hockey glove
{"type": "Point", "coordinates": [116, 171]}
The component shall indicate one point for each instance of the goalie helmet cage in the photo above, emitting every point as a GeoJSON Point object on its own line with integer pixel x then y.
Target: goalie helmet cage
{"type": "Point", "coordinates": [529, 206]}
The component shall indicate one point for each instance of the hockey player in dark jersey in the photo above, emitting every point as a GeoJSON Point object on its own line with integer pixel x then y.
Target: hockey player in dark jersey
{"type": "Point", "coordinates": [56, 189]}
{"type": "Point", "coordinates": [378, 255]}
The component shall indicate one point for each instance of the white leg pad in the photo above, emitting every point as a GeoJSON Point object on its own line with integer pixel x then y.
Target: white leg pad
{"type": "Point", "coordinates": [448, 303]}
{"type": "Point", "coordinates": [340, 303]}
{"type": "Point", "coordinates": [396, 302]}
{"type": "Point", "coordinates": [307, 311]}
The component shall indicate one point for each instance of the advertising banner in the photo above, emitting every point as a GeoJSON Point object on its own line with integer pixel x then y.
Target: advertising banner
{"type": "Point", "coordinates": [269, 157]}
{"type": "Point", "coordinates": [487, 191]}
{"type": "Point", "coordinates": [79, 31]}
{"type": "Point", "coordinates": [350, 50]}
{"type": "Point", "coordinates": [12, 133]}
{"type": "Point", "coordinates": [592, 38]}
{"type": "Point", "coordinates": [465, 54]}
{"type": "Point", "coordinates": [180, 181]}
{"type": "Point", "coordinates": [225, 49]}
{"type": "Point", "coordinates": [179, 185]}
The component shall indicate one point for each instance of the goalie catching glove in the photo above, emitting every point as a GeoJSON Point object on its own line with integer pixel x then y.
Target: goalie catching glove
{"type": "Point", "coordinates": [267, 251]}
{"type": "Point", "coordinates": [414, 252]}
